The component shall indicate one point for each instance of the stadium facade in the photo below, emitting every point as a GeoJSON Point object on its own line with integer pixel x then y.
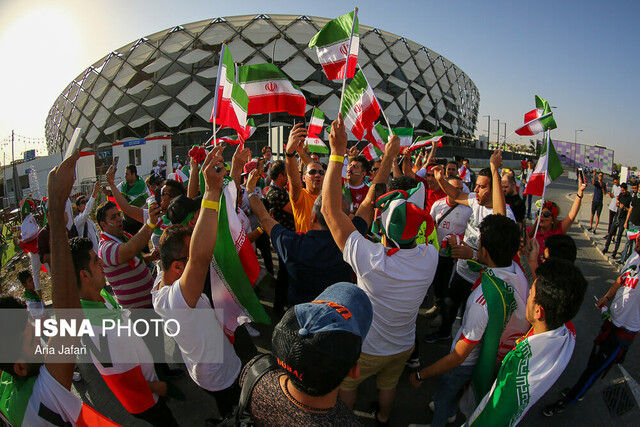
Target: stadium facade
{"type": "Point", "coordinates": [163, 84]}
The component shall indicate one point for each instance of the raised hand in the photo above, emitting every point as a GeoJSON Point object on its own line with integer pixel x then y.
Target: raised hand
{"type": "Point", "coordinates": [296, 138]}
{"type": "Point", "coordinates": [338, 136]}
{"type": "Point", "coordinates": [60, 181]}
{"type": "Point", "coordinates": [392, 147]}
{"type": "Point", "coordinates": [496, 159]}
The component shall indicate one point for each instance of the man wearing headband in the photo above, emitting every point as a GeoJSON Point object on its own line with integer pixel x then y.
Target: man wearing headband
{"type": "Point", "coordinates": [395, 275]}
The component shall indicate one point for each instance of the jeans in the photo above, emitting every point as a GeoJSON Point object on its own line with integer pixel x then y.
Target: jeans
{"type": "Point", "coordinates": [628, 247]}
{"type": "Point", "coordinates": [529, 198]}
{"type": "Point", "coordinates": [449, 387]}
{"type": "Point", "coordinates": [615, 228]}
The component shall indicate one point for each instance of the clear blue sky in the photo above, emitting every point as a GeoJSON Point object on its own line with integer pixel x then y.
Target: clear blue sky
{"type": "Point", "coordinates": [580, 55]}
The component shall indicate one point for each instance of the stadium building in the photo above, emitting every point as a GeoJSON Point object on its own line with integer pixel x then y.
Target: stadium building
{"type": "Point", "coordinates": [162, 85]}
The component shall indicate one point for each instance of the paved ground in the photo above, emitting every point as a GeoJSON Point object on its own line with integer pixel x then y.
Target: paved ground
{"type": "Point", "coordinates": [411, 404]}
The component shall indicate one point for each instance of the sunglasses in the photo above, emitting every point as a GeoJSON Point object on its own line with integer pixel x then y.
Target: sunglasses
{"type": "Point", "coordinates": [547, 214]}
{"type": "Point", "coordinates": [312, 172]}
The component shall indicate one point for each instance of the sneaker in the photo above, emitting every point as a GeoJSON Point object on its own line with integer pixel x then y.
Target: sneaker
{"type": "Point", "coordinates": [77, 377]}
{"type": "Point", "coordinates": [614, 255]}
{"type": "Point", "coordinates": [413, 363]}
{"type": "Point", "coordinates": [450, 420]}
{"type": "Point", "coordinates": [555, 408]}
{"type": "Point", "coordinates": [252, 331]}
{"type": "Point", "coordinates": [436, 336]}
{"type": "Point", "coordinates": [589, 229]}
{"type": "Point", "coordinates": [594, 231]}
{"type": "Point", "coordinates": [432, 312]}
{"type": "Point", "coordinates": [565, 392]}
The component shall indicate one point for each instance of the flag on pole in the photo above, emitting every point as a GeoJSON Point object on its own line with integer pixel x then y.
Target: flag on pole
{"type": "Point", "coordinates": [249, 130]}
{"type": "Point", "coordinates": [332, 46]}
{"type": "Point", "coordinates": [538, 120]}
{"type": "Point", "coordinates": [378, 136]}
{"type": "Point", "coordinates": [371, 152]}
{"type": "Point", "coordinates": [360, 108]}
{"type": "Point", "coordinates": [427, 141]}
{"type": "Point", "coordinates": [234, 268]}
{"type": "Point", "coordinates": [405, 134]}
{"type": "Point", "coordinates": [547, 169]}
{"type": "Point", "coordinates": [270, 91]}
{"type": "Point", "coordinates": [230, 101]}
{"type": "Point", "coordinates": [313, 140]}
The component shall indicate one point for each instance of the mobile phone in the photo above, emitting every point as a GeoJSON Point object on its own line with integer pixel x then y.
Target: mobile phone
{"type": "Point", "coordinates": [158, 196]}
{"type": "Point", "coordinates": [581, 177]}
{"type": "Point", "coordinates": [379, 190]}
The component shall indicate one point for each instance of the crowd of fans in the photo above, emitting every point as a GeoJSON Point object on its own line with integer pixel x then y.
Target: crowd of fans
{"type": "Point", "coordinates": [360, 244]}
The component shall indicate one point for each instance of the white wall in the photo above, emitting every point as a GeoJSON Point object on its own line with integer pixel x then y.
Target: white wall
{"type": "Point", "coordinates": [151, 149]}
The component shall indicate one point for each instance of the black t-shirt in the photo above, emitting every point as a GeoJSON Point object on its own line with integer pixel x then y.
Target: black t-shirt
{"type": "Point", "coordinates": [635, 215]}
{"type": "Point", "coordinates": [517, 206]}
{"type": "Point", "coordinates": [624, 200]}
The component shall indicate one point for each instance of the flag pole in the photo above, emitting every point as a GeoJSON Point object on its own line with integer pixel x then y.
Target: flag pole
{"type": "Point", "coordinates": [374, 95]}
{"type": "Point", "coordinates": [346, 65]}
{"type": "Point", "coordinates": [544, 189]}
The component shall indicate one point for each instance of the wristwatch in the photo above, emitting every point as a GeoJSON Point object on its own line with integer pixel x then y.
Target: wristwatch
{"type": "Point", "coordinates": [290, 154]}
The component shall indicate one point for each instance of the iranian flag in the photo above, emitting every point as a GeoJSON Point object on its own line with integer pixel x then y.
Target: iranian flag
{"type": "Point", "coordinates": [249, 129]}
{"type": "Point", "coordinates": [405, 134]}
{"type": "Point", "coordinates": [371, 152]}
{"type": "Point", "coordinates": [230, 101]}
{"type": "Point", "coordinates": [427, 141]}
{"type": "Point", "coordinates": [526, 374]}
{"type": "Point", "coordinates": [270, 91]}
{"type": "Point", "coordinates": [337, 38]}
{"type": "Point", "coordinates": [360, 107]}
{"type": "Point", "coordinates": [313, 140]}
{"type": "Point", "coordinates": [538, 120]}
{"type": "Point", "coordinates": [378, 136]}
{"type": "Point", "coordinates": [547, 169]}
{"type": "Point", "coordinates": [234, 269]}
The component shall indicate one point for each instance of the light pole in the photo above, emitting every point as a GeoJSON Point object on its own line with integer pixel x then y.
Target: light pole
{"type": "Point", "coordinates": [488, 129]}
{"type": "Point", "coordinates": [498, 120]}
{"type": "Point", "coordinates": [505, 133]}
{"type": "Point", "coordinates": [575, 144]}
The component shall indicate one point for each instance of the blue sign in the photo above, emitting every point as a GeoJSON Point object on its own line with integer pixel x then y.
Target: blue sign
{"type": "Point", "coordinates": [134, 142]}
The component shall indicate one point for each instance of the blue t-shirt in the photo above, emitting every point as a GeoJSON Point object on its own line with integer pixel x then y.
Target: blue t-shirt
{"type": "Point", "coordinates": [313, 260]}
{"type": "Point", "coordinates": [598, 193]}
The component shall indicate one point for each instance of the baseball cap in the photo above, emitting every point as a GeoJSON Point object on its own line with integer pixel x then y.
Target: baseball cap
{"type": "Point", "coordinates": [249, 167]}
{"type": "Point", "coordinates": [318, 342]}
{"type": "Point", "coordinates": [181, 208]}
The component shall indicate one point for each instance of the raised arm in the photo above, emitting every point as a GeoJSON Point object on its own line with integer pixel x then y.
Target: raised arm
{"type": "Point", "coordinates": [338, 222]}
{"type": "Point", "coordinates": [296, 138]}
{"type": "Point", "coordinates": [127, 251]}
{"type": "Point", "coordinates": [240, 158]}
{"type": "Point", "coordinates": [392, 149]}
{"type": "Point", "coordinates": [193, 188]}
{"type": "Point", "coordinates": [132, 211]}
{"type": "Point", "coordinates": [575, 208]}
{"type": "Point", "coordinates": [396, 168]}
{"type": "Point", "coordinates": [432, 153]}
{"type": "Point", "coordinates": [453, 192]}
{"type": "Point", "coordinates": [203, 239]}
{"type": "Point", "coordinates": [305, 158]}
{"type": "Point", "coordinates": [499, 205]}
{"type": "Point", "coordinates": [407, 168]}
{"type": "Point", "coordinates": [64, 289]}
{"type": "Point", "coordinates": [82, 217]}
{"type": "Point", "coordinates": [257, 207]}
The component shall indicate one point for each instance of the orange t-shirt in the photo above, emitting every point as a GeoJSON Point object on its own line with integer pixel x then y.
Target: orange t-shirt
{"type": "Point", "coordinates": [302, 210]}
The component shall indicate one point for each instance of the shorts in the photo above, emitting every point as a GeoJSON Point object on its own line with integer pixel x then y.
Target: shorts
{"type": "Point", "coordinates": [387, 370]}
{"type": "Point", "coordinates": [596, 208]}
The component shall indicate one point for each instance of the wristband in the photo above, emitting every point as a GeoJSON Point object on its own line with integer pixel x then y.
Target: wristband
{"type": "Point", "coordinates": [290, 155]}
{"type": "Point", "coordinates": [336, 158]}
{"type": "Point", "coordinates": [210, 204]}
{"type": "Point", "coordinates": [579, 196]}
{"type": "Point", "coordinates": [252, 194]}
{"type": "Point", "coordinates": [418, 376]}
{"type": "Point", "coordinates": [260, 229]}
{"type": "Point", "coordinates": [151, 226]}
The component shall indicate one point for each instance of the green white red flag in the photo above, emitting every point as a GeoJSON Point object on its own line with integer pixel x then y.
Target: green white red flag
{"type": "Point", "coordinates": [547, 169]}
{"type": "Point", "coordinates": [378, 136]}
{"type": "Point", "coordinates": [538, 120]}
{"type": "Point", "coordinates": [270, 91]}
{"type": "Point", "coordinates": [249, 130]}
{"type": "Point", "coordinates": [405, 134]}
{"type": "Point", "coordinates": [428, 141]}
{"type": "Point", "coordinates": [234, 268]}
{"type": "Point", "coordinates": [332, 45]}
{"type": "Point", "coordinates": [371, 152]}
{"type": "Point", "coordinates": [313, 140]}
{"type": "Point", "coordinates": [360, 107]}
{"type": "Point", "coordinates": [230, 101]}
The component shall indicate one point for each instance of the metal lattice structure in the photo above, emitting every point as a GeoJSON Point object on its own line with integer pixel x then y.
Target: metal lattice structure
{"type": "Point", "coordinates": [164, 83]}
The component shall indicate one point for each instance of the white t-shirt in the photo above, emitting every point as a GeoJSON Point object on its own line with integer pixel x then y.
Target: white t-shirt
{"type": "Point", "coordinates": [454, 223]}
{"type": "Point", "coordinates": [615, 189]}
{"type": "Point", "coordinates": [472, 234]}
{"type": "Point", "coordinates": [396, 286]}
{"type": "Point", "coordinates": [625, 308]}
{"type": "Point", "coordinates": [197, 340]}
{"type": "Point", "coordinates": [476, 315]}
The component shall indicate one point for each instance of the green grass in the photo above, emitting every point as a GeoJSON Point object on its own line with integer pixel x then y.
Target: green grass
{"type": "Point", "coordinates": [6, 250]}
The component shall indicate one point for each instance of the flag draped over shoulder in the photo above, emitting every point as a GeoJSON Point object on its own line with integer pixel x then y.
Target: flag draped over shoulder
{"type": "Point", "coordinates": [332, 46]}
{"type": "Point", "coordinates": [538, 120]}
{"type": "Point", "coordinates": [270, 91]}
{"type": "Point", "coordinates": [547, 169]}
{"type": "Point", "coordinates": [526, 374]}
{"type": "Point", "coordinates": [313, 140]}
{"type": "Point", "coordinates": [234, 269]}
{"type": "Point", "coordinates": [360, 107]}
{"type": "Point", "coordinates": [427, 141]}
{"type": "Point", "coordinates": [405, 135]}
{"type": "Point", "coordinates": [378, 136]}
{"type": "Point", "coordinates": [230, 100]}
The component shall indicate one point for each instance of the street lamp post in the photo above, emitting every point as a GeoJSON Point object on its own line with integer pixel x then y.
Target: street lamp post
{"type": "Point", "coordinates": [498, 120]}
{"type": "Point", "coordinates": [488, 129]}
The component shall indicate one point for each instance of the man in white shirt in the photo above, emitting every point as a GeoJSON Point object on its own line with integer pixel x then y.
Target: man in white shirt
{"type": "Point", "coordinates": [83, 222]}
{"type": "Point", "coordinates": [616, 334]}
{"type": "Point", "coordinates": [494, 318]}
{"type": "Point", "coordinates": [487, 199]}
{"type": "Point", "coordinates": [209, 356]}
{"type": "Point", "coordinates": [395, 275]}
